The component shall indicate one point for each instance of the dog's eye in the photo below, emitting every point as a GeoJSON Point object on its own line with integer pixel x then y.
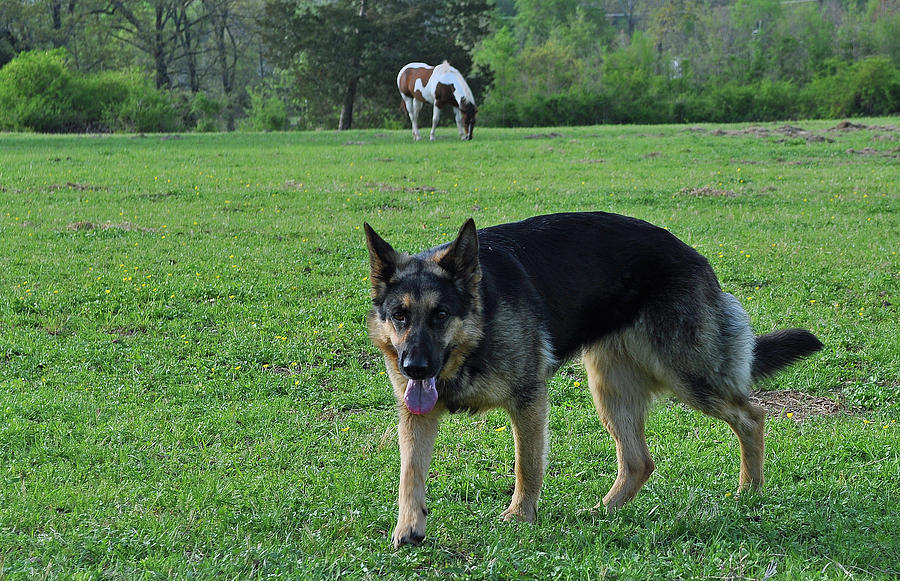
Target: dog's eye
{"type": "Point", "coordinates": [441, 314]}
{"type": "Point", "coordinates": [399, 316]}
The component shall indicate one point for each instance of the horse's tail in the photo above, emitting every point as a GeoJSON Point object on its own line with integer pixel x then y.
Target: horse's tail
{"type": "Point", "coordinates": [403, 108]}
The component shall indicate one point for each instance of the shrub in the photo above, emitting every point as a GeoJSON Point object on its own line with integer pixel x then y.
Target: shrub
{"type": "Point", "coordinates": [206, 111]}
{"type": "Point", "coordinates": [875, 87]}
{"type": "Point", "coordinates": [774, 100]}
{"type": "Point", "coordinates": [146, 110]}
{"type": "Point", "coordinates": [38, 92]}
{"type": "Point", "coordinates": [867, 87]}
{"type": "Point", "coordinates": [267, 113]}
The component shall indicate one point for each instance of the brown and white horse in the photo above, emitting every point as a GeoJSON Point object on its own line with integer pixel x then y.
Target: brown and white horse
{"type": "Point", "coordinates": [442, 86]}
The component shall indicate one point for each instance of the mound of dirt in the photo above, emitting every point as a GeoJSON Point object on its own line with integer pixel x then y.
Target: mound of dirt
{"type": "Point", "coordinates": [850, 126]}
{"type": "Point", "coordinates": [551, 135]}
{"type": "Point", "coordinates": [123, 226]}
{"type": "Point", "coordinates": [799, 405]}
{"type": "Point", "coordinates": [707, 192]}
{"type": "Point", "coordinates": [787, 131]}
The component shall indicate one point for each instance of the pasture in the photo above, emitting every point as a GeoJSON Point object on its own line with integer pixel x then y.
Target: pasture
{"type": "Point", "coordinates": [187, 389]}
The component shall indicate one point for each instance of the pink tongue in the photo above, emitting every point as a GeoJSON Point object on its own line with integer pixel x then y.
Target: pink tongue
{"type": "Point", "coordinates": [421, 395]}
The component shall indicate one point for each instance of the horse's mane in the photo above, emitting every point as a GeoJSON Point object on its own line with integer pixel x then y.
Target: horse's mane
{"type": "Point", "coordinates": [446, 69]}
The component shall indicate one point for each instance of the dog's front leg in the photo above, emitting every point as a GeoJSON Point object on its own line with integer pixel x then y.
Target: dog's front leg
{"type": "Point", "coordinates": [530, 432]}
{"type": "Point", "coordinates": [416, 435]}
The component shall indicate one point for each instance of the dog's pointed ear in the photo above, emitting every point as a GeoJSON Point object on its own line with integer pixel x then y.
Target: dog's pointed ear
{"type": "Point", "coordinates": [382, 260]}
{"type": "Point", "coordinates": [461, 257]}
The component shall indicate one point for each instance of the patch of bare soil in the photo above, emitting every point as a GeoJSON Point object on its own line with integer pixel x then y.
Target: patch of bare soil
{"type": "Point", "coordinates": [787, 131]}
{"type": "Point", "coordinates": [793, 132]}
{"type": "Point", "coordinates": [83, 225]}
{"type": "Point", "coordinates": [873, 151]}
{"type": "Point", "coordinates": [795, 405]}
{"type": "Point", "coordinates": [849, 126]}
{"type": "Point", "coordinates": [551, 135]}
{"type": "Point", "coordinates": [707, 192]}
{"type": "Point", "coordinates": [383, 187]}
{"type": "Point", "coordinates": [75, 186]}
{"type": "Point", "coordinates": [126, 331]}
{"type": "Point", "coordinates": [283, 370]}
{"type": "Point", "coordinates": [123, 226]}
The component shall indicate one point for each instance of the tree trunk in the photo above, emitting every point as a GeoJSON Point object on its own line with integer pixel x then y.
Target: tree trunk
{"type": "Point", "coordinates": [347, 108]}
{"type": "Point", "coordinates": [187, 40]}
{"type": "Point", "coordinates": [346, 121]}
{"type": "Point", "coordinates": [159, 49]}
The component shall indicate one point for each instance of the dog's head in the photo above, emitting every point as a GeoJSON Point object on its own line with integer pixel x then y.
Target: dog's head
{"type": "Point", "coordinates": [426, 311]}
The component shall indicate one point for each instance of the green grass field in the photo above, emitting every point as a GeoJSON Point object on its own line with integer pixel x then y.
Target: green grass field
{"type": "Point", "coordinates": [187, 389]}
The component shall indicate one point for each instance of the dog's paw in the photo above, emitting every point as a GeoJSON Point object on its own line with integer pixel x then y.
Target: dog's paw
{"type": "Point", "coordinates": [411, 530]}
{"type": "Point", "coordinates": [519, 514]}
{"type": "Point", "coordinates": [409, 536]}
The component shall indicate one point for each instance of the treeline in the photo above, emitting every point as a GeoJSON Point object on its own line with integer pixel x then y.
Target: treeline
{"type": "Point", "coordinates": [562, 62]}
{"type": "Point", "coordinates": [208, 65]}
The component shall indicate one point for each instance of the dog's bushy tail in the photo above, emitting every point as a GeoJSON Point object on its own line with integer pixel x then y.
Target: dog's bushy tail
{"type": "Point", "coordinates": [776, 350]}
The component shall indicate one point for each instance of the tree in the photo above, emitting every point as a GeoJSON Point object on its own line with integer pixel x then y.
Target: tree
{"type": "Point", "coordinates": [149, 27]}
{"type": "Point", "coordinates": [498, 55]}
{"type": "Point", "coordinates": [345, 53]}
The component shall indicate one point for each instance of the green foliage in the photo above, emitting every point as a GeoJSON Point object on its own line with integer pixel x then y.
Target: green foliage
{"type": "Point", "coordinates": [331, 62]}
{"type": "Point", "coordinates": [145, 109]}
{"type": "Point", "coordinates": [753, 60]}
{"type": "Point", "coordinates": [266, 113]}
{"type": "Point", "coordinates": [206, 111]}
{"type": "Point", "coordinates": [39, 92]}
{"type": "Point", "coordinates": [870, 86]}
{"type": "Point", "coordinates": [36, 93]}
{"type": "Point", "coordinates": [498, 56]}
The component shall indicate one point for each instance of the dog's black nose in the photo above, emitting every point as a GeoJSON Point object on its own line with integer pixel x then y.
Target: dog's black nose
{"type": "Point", "coordinates": [417, 371]}
{"type": "Point", "coordinates": [416, 366]}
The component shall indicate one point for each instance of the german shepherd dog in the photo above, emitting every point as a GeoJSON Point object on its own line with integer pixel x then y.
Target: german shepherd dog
{"type": "Point", "coordinates": [483, 322]}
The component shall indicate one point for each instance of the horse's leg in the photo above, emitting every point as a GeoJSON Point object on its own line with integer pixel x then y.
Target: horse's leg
{"type": "Point", "coordinates": [435, 117]}
{"type": "Point", "coordinates": [459, 125]}
{"type": "Point", "coordinates": [417, 106]}
{"type": "Point", "coordinates": [412, 109]}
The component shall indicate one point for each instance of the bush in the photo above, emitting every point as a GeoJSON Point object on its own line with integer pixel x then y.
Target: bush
{"type": "Point", "coordinates": [875, 87]}
{"type": "Point", "coordinates": [266, 113]}
{"type": "Point", "coordinates": [867, 87]}
{"type": "Point", "coordinates": [38, 92]}
{"type": "Point", "coordinates": [146, 110]}
{"type": "Point", "coordinates": [206, 111]}
{"type": "Point", "coordinates": [574, 107]}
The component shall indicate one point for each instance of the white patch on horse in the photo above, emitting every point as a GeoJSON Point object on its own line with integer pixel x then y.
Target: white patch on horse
{"type": "Point", "coordinates": [447, 75]}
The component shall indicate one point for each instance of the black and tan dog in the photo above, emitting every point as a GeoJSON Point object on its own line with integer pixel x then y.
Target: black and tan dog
{"type": "Point", "coordinates": [484, 321]}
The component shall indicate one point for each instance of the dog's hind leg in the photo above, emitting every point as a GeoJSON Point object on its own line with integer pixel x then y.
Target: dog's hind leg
{"type": "Point", "coordinates": [529, 424]}
{"type": "Point", "coordinates": [747, 421]}
{"type": "Point", "coordinates": [622, 392]}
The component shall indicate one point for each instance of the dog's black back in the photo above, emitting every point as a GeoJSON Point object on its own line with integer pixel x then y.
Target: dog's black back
{"type": "Point", "coordinates": [593, 272]}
